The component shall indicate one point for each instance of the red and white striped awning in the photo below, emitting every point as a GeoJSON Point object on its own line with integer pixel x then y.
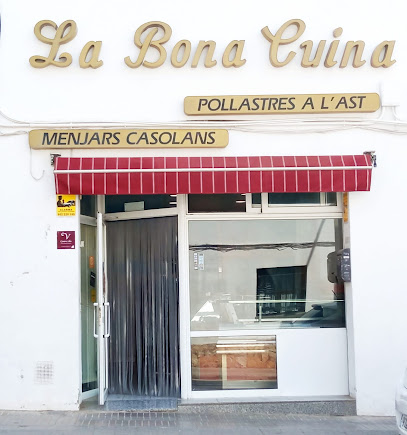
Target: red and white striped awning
{"type": "Point", "coordinates": [171, 175]}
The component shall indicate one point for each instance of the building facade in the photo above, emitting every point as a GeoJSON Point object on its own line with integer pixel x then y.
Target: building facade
{"type": "Point", "coordinates": [198, 202]}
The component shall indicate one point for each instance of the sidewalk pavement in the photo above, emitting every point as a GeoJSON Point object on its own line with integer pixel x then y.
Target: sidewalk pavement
{"type": "Point", "coordinates": [91, 422]}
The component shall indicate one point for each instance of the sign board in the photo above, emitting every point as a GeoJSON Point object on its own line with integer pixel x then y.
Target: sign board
{"type": "Point", "coordinates": [66, 205]}
{"type": "Point", "coordinates": [281, 104]}
{"type": "Point", "coordinates": [156, 34]}
{"type": "Point", "coordinates": [127, 138]}
{"type": "Point", "coordinates": [65, 239]}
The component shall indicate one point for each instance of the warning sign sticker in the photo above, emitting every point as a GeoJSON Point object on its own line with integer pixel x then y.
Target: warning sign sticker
{"type": "Point", "coordinates": [66, 205]}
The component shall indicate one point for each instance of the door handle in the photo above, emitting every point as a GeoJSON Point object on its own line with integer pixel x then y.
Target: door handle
{"type": "Point", "coordinates": [95, 315]}
{"type": "Point", "coordinates": [107, 319]}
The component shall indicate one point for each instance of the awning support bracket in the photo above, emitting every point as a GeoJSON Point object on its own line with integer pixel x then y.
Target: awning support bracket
{"type": "Point", "coordinates": [372, 157]}
{"type": "Point", "coordinates": [53, 157]}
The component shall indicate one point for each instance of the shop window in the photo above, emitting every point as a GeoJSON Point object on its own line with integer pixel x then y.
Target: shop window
{"type": "Point", "coordinates": [264, 202]}
{"type": "Point", "coordinates": [124, 203]}
{"type": "Point", "coordinates": [256, 200]}
{"type": "Point", "coordinates": [217, 203]}
{"type": "Point", "coordinates": [226, 363]}
{"type": "Point", "coordinates": [88, 205]}
{"type": "Point", "coordinates": [237, 267]}
{"type": "Point", "coordinates": [305, 198]}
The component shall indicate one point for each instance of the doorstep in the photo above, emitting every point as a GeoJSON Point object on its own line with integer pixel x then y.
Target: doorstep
{"type": "Point", "coordinates": [130, 403]}
{"type": "Point", "coordinates": [322, 405]}
{"type": "Point", "coordinates": [117, 402]}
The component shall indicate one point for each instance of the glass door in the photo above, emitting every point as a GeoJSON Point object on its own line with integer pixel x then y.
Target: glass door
{"type": "Point", "coordinates": [88, 298]}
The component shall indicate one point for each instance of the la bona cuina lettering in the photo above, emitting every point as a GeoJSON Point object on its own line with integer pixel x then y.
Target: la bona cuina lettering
{"type": "Point", "coordinates": [153, 39]}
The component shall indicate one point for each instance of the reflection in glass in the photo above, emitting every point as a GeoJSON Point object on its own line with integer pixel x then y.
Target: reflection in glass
{"type": "Point", "coordinates": [88, 298]}
{"type": "Point", "coordinates": [122, 203]}
{"type": "Point", "coordinates": [291, 198]}
{"type": "Point", "coordinates": [287, 284]}
{"type": "Point", "coordinates": [233, 202]}
{"type": "Point", "coordinates": [251, 274]}
{"type": "Point", "coordinates": [256, 200]}
{"type": "Point", "coordinates": [224, 363]}
{"type": "Point", "coordinates": [88, 205]}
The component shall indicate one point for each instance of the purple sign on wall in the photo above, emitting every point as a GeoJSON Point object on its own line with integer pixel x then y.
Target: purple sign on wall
{"type": "Point", "coordinates": [65, 239]}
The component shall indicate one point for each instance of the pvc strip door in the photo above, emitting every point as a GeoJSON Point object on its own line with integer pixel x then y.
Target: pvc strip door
{"type": "Point", "coordinates": [142, 258]}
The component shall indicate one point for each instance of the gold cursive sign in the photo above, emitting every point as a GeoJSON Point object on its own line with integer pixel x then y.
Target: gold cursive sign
{"type": "Point", "coordinates": [63, 34]}
{"type": "Point", "coordinates": [151, 39]}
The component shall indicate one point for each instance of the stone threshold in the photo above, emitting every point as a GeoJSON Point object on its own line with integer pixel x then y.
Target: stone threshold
{"type": "Point", "coordinates": [321, 405]}
{"type": "Point", "coordinates": [137, 403]}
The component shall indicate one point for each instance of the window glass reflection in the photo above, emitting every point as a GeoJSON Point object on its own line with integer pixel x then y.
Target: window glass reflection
{"type": "Point", "coordinates": [296, 198]}
{"type": "Point", "coordinates": [88, 205]}
{"type": "Point", "coordinates": [123, 203]}
{"type": "Point", "coordinates": [255, 274]}
{"type": "Point", "coordinates": [234, 202]}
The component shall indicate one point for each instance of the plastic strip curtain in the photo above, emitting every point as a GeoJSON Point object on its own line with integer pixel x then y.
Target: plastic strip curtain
{"type": "Point", "coordinates": [143, 292]}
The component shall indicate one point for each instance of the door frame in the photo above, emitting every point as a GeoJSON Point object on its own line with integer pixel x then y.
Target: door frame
{"type": "Point", "coordinates": [143, 214]}
{"type": "Point", "coordinates": [102, 310]}
{"type": "Point", "coordinates": [183, 294]}
{"type": "Point", "coordinates": [91, 222]}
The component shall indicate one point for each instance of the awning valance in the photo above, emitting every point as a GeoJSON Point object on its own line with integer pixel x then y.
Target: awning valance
{"type": "Point", "coordinates": [171, 175]}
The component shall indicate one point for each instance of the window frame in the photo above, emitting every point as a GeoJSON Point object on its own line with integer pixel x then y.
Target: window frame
{"type": "Point", "coordinates": [324, 336]}
{"type": "Point", "coordinates": [310, 210]}
{"type": "Point", "coordinates": [303, 208]}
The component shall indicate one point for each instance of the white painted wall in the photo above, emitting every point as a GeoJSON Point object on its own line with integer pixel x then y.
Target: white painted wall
{"type": "Point", "coordinates": [378, 241]}
{"type": "Point", "coordinates": [40, 285]}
